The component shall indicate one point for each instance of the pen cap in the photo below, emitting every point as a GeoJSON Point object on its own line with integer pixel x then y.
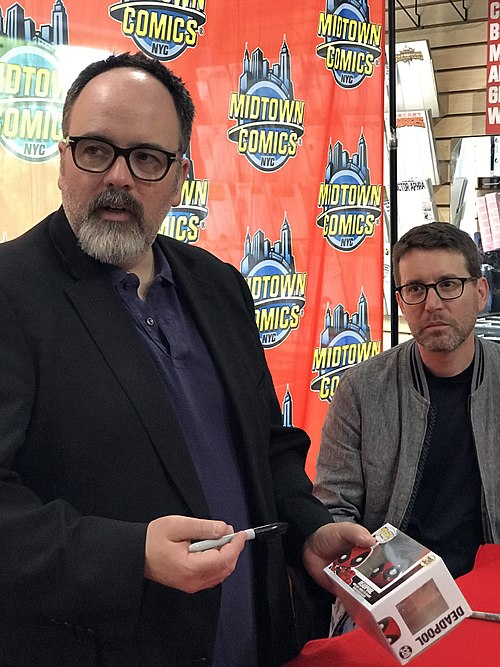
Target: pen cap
{"type": "Point", "coordinates": [270, 530]}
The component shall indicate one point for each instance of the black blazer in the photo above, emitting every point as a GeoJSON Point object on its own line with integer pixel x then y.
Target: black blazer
{"type": "Point", "coordinates": [91, 451]}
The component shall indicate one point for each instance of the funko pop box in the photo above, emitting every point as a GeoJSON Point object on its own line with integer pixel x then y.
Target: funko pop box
{"type": "Point", "coordinates": [399, 591]}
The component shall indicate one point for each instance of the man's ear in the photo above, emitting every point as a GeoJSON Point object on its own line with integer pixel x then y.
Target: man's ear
{"type": "Point", "coordinates": [401, 303]}
{"type": "Point", "coordinates": [61, 147]}
{"type": "Point", "coordinates": [186, 163]}
{"type": "Point", "coordinates": [482, 293]}
{"type": "Point", "coordinates": [184, 168]}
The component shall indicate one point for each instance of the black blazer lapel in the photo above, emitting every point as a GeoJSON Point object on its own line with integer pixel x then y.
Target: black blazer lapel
{"type": "Point", "coordinates": [107, 321]}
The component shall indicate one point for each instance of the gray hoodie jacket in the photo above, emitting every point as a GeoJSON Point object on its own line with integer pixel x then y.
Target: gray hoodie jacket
{"type": "Point", "coordinates": [377, 428]}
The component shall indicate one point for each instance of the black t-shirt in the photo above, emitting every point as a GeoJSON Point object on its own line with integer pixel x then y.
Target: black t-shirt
{"type": "Point", "coordinates": [446, 516]}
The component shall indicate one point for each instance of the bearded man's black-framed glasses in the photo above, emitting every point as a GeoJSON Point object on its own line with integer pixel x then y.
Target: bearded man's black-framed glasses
{"type": "Point", "coordinates": [97, 156]}
{"type": "Point", "coordinates": [447, 289]}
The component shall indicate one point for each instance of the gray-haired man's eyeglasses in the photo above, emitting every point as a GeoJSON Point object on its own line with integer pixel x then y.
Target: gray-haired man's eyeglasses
{"type": "Point", "coordinates": [97, 156]}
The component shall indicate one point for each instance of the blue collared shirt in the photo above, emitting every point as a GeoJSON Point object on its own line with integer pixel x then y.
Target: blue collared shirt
{"type": "Point", "coordinates": [193, 387]}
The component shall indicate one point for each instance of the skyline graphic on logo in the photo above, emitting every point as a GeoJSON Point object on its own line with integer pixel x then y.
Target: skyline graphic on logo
{"type": "Point", "coordinates": [270, 121]}
{"type": "Point", "coordinates": [352, 45]}
{"type": "Point", "coordinates": [277, 288]}
{"type": "Point", "coordinates": [162, 29]}
{"type": "Point", "coordinates": [31, 98]}
{"type": "Point", "coordinates": [351, 204]}
{"type": "Point", "coordinates": [185, 221]}
{"type": "Point", "coordinates": [287, 408]}
{"type": "Point", "coordinates": [344, 342]}
{"type": "Point", "coordinates": [21, 28]}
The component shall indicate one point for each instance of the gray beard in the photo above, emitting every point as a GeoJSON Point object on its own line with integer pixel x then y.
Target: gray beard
{"type": "Point", "coordinates": [111, 242]}
{"type": "Point", "coordinates": [447, 343]}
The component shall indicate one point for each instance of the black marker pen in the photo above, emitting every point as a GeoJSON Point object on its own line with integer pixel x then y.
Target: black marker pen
{"type": "Point", "coordinates": [262, 532]}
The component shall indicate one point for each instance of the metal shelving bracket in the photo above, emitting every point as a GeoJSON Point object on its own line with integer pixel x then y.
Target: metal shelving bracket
{"type": "Point", "coordinates": [464, 8]}
{"type": "Point", "coordinates": [414, 17]}
{"type": "Point", "coordinates": [415, 21]}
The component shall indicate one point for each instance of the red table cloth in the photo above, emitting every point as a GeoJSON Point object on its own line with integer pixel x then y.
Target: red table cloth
{"type": "Point", "coordinates": [473, 643]}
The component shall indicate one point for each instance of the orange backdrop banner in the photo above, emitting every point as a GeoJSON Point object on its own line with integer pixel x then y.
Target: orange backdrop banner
{"type": "Point", "coordinates": [287, 156]}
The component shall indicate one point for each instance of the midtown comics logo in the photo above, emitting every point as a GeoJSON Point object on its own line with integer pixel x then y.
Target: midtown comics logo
{"type": "Point", "coordinates": [269, 120]}
{"type": "Point", "coordinates": [30, 103]}
{"type": "Point", "coordinates": [277, 288]}
{"type": "Point", "coordinates": [162, 29]}
{"type": "Point", "coordinates": [352, 45]}
{"type": "Point", "coordinates": [185, 221]}
{"type": "Point", "coordinates": [344, 342]}
{"type": "Point", "coordinates": [351, 204]}
{"type": "Point", "coordinates": [31, 99]}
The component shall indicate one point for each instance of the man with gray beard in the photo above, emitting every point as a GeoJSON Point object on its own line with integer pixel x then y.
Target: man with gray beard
{"type": "Point", "coordinates": [411, 436]}
{"type": "Point", "coordinates": [138, 416]}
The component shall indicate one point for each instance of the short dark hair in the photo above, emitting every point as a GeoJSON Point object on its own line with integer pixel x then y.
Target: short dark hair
{"type": "Point", "coordinates": [437, 236]}
{"type": "Point", "coordinates": [175, 86]}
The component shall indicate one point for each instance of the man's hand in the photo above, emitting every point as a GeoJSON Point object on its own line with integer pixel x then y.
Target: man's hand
{"type": "Point", "coordinates": [168, 561]}
{"type": "Point", "coordinates": [328, 543]}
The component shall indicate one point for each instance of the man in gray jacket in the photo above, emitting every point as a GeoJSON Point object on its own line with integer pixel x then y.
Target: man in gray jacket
{"type": "Point", "coordinates": [412, 436]}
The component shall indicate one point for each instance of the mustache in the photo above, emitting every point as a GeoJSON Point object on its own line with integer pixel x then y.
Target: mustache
{"type": "Point", "coordinates": [117, 199]}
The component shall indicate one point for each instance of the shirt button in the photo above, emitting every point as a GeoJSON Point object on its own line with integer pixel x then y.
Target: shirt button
{"type": "Point", "coordinates": [126, 286]}
{"type": "Point", "coordinates": [150, 321]}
